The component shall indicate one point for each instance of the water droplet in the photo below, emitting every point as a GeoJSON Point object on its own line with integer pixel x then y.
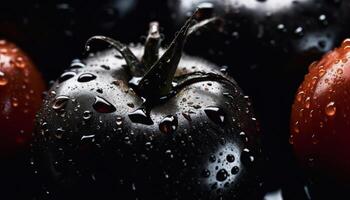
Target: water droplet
{"type": "Point", "coordinates": [299, 31]}
{"type": "Point", "coordinates": [222, 175]}
{"type": "Point", "coordinates": [235, 170]}
{"type": "Point", "coordinates": [246, 157]}
{"type": "Point", "coordinates": [130, 104]}
{"type": "Point", "coordinates": [101, 105]}
{"type": "Point", "coordinates": [65, 76]}
{"type": "Point", "coordinates": [60, 102]}
{"type": "Point", "coordinates": [168, 124]}
{"type": "Point", "coordinates": [76, 63]}
{"type": "Point", "coordinates": [321, 72]}
{"type": "Point", "coordinates": [339, 71]}
{"type": "Point", "coordinates": [300, 96]}
{"type": "Point", "coordinates": [140, 116]}
{"type": "Point", "coordinates": [215, 114]}
{"type": "Point", "coordinates": [330, 109]}
{"type": "Point", "coordinates": [3, 79]}
{"type": "Point", "coordinates": [119, 121]}
{"type": "Point", "coordinates": [87, 115]}
{"type": "Point", "coordinates": [105, 67]}
{"type": "Point", "coordinates": [86, 77]}
{"type": "Point", "coordinates": [230, 158]}
{"type": "Point", "coordinates": [187, 116]}
{"type": "Point", "coordinates": [14, 102]}
{"type": "Point", "coordinates": [19, 63]}
{"type": "Point", "coordinates": [307, 102]}
{"type": "Point", "coordinates": [59, 133]}
{"type": "Point", "coordinates": [212, 158]}
{"type": "Point", "coordinates": [296, 127]}
{"type": "Point", "coordinates": [291, 139]}
{"type": "Point", "coordinates": [205, 173]}
{"type": "Point", "coordinates": [314, 139]}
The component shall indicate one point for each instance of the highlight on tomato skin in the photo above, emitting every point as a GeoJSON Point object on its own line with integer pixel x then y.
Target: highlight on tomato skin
{"type": "Point", "coordinates": [21, 87]}
{"type": "Point", "coordinates": [320, 120]}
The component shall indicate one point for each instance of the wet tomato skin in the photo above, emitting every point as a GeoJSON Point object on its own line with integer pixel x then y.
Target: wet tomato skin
{"type": "Point", "coordinates": [21, 87]}
{"type": "Point", "coordinates": [320, 120]}
{"type": "Point", "coordinates": [182, 129]}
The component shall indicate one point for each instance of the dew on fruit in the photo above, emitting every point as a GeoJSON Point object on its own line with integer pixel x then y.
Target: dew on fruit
{"type": "Point", "coordinates": [87, 115]}
{"type": "Point", "coordinates": [307, 102]}
{"type": "Point", "coordinates": [101, 105]}
{"type": "Point", "coordinates": [65, 76]}
{"type": "Point", "coordinates": [130, 104]}
{"type": "Point", "coordinates": [212, 158]}
{"type": "Point", "coordinates": [291, 139]}
{"type": "Point", "coordinates": [119, 121]}
{"type": "Point", "coordinates": [168, 124]}
{"type": "Point", "coordinates": [3, 79]}
{"type": "Point", "coordinates": [140, 116]}
{"type": "Point", "coordinates": [105, 67]}
{"type": "Point", "coordinates": [296, 127]}
{"type": "Point", "coordinates": [86, 77]}
{"type": "Point", "coordinates": [222, 175]}
{"type": "Point", "coordinates": [19, 63]}
{"type": "Point", "coordinates": [215, 114]}
{"type": "Point", "coordinates": [59, 133]}
{"type": "Point", "coordinates": [299, 31]}
{"type": "Point", "coordinates": [88, 137]}
{"type": "Point", "coordinates": [205, 173]}
{"type": "Point", "coordinates": [230, 158]}
{"type": "Point", "coordinates": [246, 157]}
{"type": "Point", "coordinates": [187, 116]}
{"type": "Point", "coordinates": [60, 102]}
{"type": "Point", "coordinates": [76, 63]}
{"type": "Point", "coordinates": [235, 170]}
{"type": "Point", "coordinates": [330, 109]}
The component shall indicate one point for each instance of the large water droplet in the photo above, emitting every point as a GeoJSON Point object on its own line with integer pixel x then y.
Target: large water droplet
{"type": "Point", "coordinates": [168, 124]}
{"type": "Point", "coordinates": [222, 175]}
{"type": "Point", "coordinates": [330, 109]}
{"type": "Point", "coordinates": [140, 116]}
{"type": "Point", "coordinates": [215, 114]}
{"type": "Point", "coordinates": [86, 77]}
{"type": "Point", "coordinates": [230, 158]}
{"type": "Point", "coordinates": [235, 170]}
{"type": "Point", "coordinates": [60, 102]}
{"type": "Point", "coordinates": [65, 76]}
{"type": "Point", "coordinates": [101, 105]}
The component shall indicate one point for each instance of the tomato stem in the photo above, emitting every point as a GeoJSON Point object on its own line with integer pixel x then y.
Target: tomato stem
{"type": "Point", "coordinates": [133, 63]}
{"type": "Point", "coordinates": [157, 82]}
{"type": "Point", "coordinates": [152, 45]}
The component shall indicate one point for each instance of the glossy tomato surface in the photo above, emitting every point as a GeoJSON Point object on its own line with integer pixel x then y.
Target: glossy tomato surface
{"type": "Point", "coordinates": [320, 122]}
{"type": "Point", "coordinates": [267, 47]}
{"type": "Point", "coordinates": [21, 88]}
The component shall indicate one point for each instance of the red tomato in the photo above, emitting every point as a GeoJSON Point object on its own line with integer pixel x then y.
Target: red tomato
{"type": "Point", "coordinates": [21, 88]}
{"type": "Point", "coordinates": [320, 125]}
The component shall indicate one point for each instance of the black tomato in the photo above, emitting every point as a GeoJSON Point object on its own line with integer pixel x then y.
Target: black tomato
{"type": "Point", "coordinates": [269, 45]}
{"type": "Point", "coordinates": [125, 123]}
